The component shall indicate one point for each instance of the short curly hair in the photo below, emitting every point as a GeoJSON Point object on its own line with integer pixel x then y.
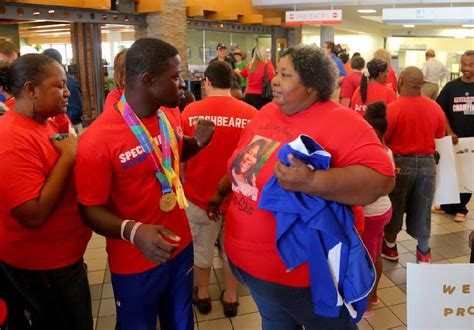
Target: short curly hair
{"type": "Point", "coordinates": [315, 68]}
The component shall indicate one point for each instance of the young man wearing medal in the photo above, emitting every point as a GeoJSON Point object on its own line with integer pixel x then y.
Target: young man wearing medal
{"type": "Point", "coordinates": [129, 190]}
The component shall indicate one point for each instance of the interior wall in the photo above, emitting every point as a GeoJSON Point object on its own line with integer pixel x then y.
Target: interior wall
{"type": "Point", "coordinates": [448, 44]}
{"type": "Point", "coordinates": [365, 44]}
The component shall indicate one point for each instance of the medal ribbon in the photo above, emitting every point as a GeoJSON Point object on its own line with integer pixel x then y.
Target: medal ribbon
{"type": "Point", "coordinates": [160, 159]}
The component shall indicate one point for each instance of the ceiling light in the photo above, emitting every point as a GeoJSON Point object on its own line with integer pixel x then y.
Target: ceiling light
{"type": "Point", "coordinates": [468, 25]}
{"type": "Point", "coordinates": [366, 11]}
{"type": "Point", "coordinates": [408, 25]}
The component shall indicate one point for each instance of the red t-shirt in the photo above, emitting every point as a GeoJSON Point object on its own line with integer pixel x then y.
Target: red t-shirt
{"type": "Point", "coordinates": [10, 103]}
{"type": "Point", "coordinates": [113, 97]}
{"type": "Point", "coordinates": [392, 81]}
{"type": "Point", "coordinates": [414, 122]}
{"type": "Point", "coordinates": [27, 158]}
{"type": "Point", "coordinates": [375, 92]}
{"type": "Point", "coordinates": [250, 231]}
{"type": "Point", "coordinates": [255, 79]}
{"type": "Point", "coordinates": [113, 170]}
{"type": "Point", "coordinates": [350, 84]}
{"type": "Point", "coordinates": [205, 170]}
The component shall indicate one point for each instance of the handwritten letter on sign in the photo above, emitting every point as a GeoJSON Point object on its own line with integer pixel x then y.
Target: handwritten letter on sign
{"type": "Point", "coordinates": [440, 296]}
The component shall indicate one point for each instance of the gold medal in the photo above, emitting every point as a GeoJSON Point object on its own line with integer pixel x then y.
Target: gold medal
{"type": "Point", "coordinates": [168, 202]}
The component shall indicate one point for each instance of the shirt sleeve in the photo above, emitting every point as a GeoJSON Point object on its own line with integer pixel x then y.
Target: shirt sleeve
{"type": "Point", "coordinates": [346, 89]}
{"type": "Point", "coordinates": [245, 71]}
{"type": "Point", "coordinates": [93, 174]}
{"type": "Point", "coordinates": [443, 99]}
{"type": "Point", "coordinates": [342, 69]}
{"type": "Point", "coordinates": [25, 176]}
{"type": "Point", "coordinates": [441, 130]}
{"type": "Point", "coordinates": [424, 69]}
{"type": "Point", "coordinates": [366, 150]}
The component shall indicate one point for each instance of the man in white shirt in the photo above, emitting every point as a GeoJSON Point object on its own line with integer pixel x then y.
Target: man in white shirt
{"type": "Point", "coordinates": [433, 72]}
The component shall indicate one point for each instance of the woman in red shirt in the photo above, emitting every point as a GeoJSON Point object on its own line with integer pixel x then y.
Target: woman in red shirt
{"type": "Point", "coordinates": [255, 72]}
{"type": "Point", "coordinates": [372, 87]}
{"type": "Point", "coordinates": [392, 80]}
{"type": "Point", "coordinates": [42, 237]}
{"type": "Point", "coordinates": [302, 89]}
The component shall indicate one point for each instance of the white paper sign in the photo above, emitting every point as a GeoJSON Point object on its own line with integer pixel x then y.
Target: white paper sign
{"type": "Point", "coordinates": [447, 187]}
{"type": "Point", "coordinates": [464, 155]}
{"type": "Point", "coordinates": [440, 296]}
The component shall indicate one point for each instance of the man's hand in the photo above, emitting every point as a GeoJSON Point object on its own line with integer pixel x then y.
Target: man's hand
{"type": "Point", "coordinates": [204, 132]}
{"type": "Point", "coordinates": [294, 178]}
{"type": "Point", "coordinates": [149, 239]}
{"type": "Point", "coordinates": [455, 138]}
{"type": "Point", "coordinates": [214, 207]}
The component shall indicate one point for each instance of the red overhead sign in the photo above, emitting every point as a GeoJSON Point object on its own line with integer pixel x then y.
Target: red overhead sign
{"type": "Point", "coordinates": [313, 17]}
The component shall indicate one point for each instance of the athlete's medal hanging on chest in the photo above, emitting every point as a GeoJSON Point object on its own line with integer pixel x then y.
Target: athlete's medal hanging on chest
{"type": "Point", "coordinates": [161, 160]}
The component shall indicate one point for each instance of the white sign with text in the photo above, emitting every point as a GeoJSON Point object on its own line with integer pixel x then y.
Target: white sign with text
{"type": "Point", "coordinates": [440, 296]}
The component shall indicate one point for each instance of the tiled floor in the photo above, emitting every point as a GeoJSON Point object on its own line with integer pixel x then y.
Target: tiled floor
{"type": "Point", "coordinates": [448, 244]}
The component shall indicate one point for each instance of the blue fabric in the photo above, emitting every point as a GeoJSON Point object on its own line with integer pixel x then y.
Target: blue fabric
{"type": "Point", "coordinates": [340, 66]}
{"type": "Point", "coordinates": [163, 291]}
{"type": "Point", "coordinates": [74, 108]}
{"type": "Point", "coordinates": [2, 97]}
{"type": "Point", "coordinates": [309, 227]}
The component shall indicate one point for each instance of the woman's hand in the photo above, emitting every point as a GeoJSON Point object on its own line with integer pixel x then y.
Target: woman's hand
{"type": "Point", "coordinates": [67, 146]}
{"type": "Point", "coordinates": [296, 177]}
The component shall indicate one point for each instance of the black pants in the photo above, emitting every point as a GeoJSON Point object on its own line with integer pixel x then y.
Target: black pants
{"type": "Point", "coordinates": [458, 208]}
{"type": "Point", "coordinates": [256, 100]}
{"type": "Point", "coordinates": [57, 299]}
{"type": "Point", "coordinates": [16, 305]}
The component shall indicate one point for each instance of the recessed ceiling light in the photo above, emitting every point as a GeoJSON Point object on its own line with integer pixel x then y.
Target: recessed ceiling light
{"type": "Point", "coordinates": [366, 11]}
{"type": "Point", "coordinates": [408, 25]}
{"type": "Point", "coordinates": [468, 25]}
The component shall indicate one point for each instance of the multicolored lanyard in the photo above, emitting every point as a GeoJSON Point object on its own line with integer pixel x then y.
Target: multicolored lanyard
{"type": "Point", "coordinates": [167, 175]}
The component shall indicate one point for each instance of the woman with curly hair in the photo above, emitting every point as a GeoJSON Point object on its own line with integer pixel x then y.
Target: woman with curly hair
{"type": "Point", "coordinates": [360, 173]}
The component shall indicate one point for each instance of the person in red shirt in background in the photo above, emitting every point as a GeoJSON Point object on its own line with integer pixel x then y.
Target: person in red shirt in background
{"type": "Point", "coordinates": [414, 122]}
{"type": "Point", "coordinates": [254, 72]}
{"type": "Point", "coordinates": [119, 79]}
{"type": "Point", "coordinates": [352, 81]}
{"type": "Point", "coordinates": [204, 172]}
{"type": "Point", "coordinates": [372, 87]}
{"type": "Point", "coordinates": [127, 176]}
{"type": "Point", "coordinates": [42, 237]}
{"type": "Point", "coordinates": [392, 81]}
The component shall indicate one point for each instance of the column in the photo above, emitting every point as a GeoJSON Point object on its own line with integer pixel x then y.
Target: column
{"type": "Point", "coordinates": [327, 34]}
{"type": "Point", "coordinates": [87, 56]}
{"type": "Point", "coordinates": [295, 36]}
{"type": "Point", "coordinates": [171, 25]}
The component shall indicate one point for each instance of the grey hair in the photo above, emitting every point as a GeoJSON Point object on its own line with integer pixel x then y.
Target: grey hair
{"type": "Point", "coordinates": [315, 68]}
{"type": "Point", "coordinates": [468, 53]}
